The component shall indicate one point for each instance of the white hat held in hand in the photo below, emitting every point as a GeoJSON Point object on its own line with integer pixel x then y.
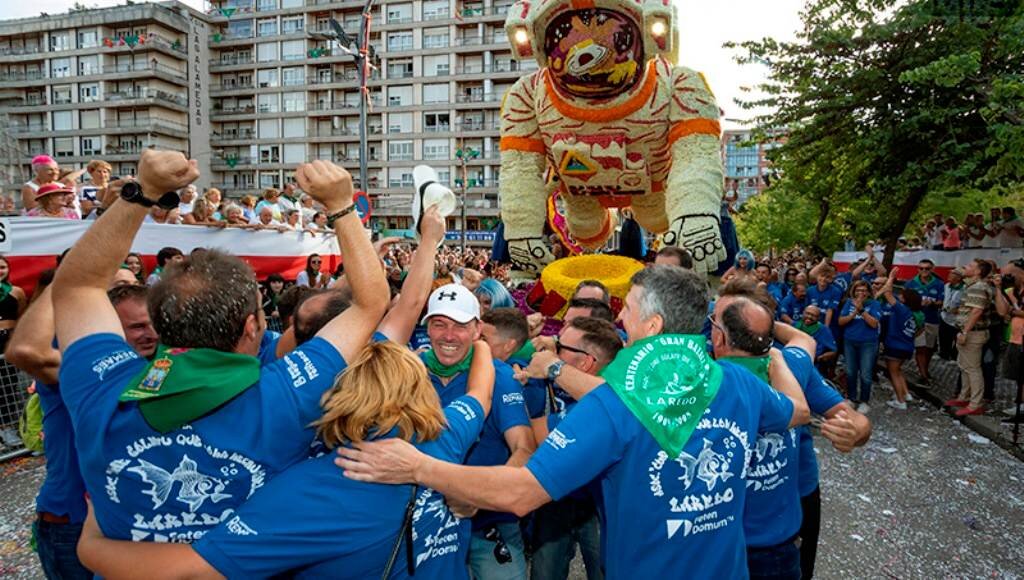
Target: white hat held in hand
{"type": "Point", "coordinates": [429, 192]}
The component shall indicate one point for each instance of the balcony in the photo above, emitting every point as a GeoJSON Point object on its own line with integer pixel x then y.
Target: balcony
{"type": "Point", "coordinates": [399, 20]}
{"type": "Point", "coordinates": [436, 41]}
{"type": "Point", "coordinates": [233, 134]}
{"type": "Point", "coordinates": [442, 14]}
{"type": "Point", "coordinates": [142, 67]}
{"type": "Point", "coordinates": [29, 102]}
{"type": "Point", "coordinates": [21, 50]}
{"type": "Point", "coordinates": [23, 76]}
{"type": "Point", "coordinates": [437, 128]}
{"type": "Point", "coordinates": [231, 161]}
{"type": "Point", "coordinates": [498, 67]}
{"type": "Point", "coordinates": [148, 93]}
{"type": "Point", "coordinates": [477, 98]}
{"type": "Point", "coordinates": [234, 86]}
{"type": "Point", "coordinates": [236, 110]}
{"type": "Point", "coordinates": [148, 123]}
{"type": "Point", "coordinates": [233, 60]}
{"type": "Point", "coordinates": [30, 128]}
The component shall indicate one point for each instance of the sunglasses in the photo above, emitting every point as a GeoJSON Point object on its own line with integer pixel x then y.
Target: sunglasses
{"type": "Point", "coordinates": [559, 347]}
{"type": "Point", "coordinates": [711, 319]}
{"type": "Point", "coordinates": [925, 268]}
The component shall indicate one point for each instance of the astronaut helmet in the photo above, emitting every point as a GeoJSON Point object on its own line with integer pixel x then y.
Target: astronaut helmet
{"type": "Point", "coordinates": [592, 48]}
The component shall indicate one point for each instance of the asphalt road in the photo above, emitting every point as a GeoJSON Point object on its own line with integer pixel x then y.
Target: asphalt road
{"type": "Point", "coordinates": [926, 498]}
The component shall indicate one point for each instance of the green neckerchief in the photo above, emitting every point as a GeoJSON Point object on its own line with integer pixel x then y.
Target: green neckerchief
{"type": "Point", "coordinates": [809, 329]}
{"type": "Point", "coordinates": [181, 385]}
{"type": "Point", "coordinates": [5, 289]}
{"type": "Point", "coordinates": [667, 382]}
{"type": "Point", "coordinates": [435, 366]}
{"type": "Point", "coordinates": [525, 352]}
{"type": "Point", "coordinates": [757, 365]}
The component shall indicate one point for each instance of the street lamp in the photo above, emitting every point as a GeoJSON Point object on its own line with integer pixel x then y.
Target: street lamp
{"type": "Point", "coordinates": [465, 154]}
{"type": "Point", "coordinates": [364, 56]}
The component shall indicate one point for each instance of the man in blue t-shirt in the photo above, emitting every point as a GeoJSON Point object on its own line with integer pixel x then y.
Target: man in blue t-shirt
{"type": "Point", "coordinates": [826, 296]}
{"type": "Point", "coordinates": [661, 509]}
{"type": "Point", "coordinates": [171, 447]}
{"type": "Point", "coordinates": [453, 323]}
{"type": "Point", "coordinates": [931, 290]}
{"type": "Point", "coordinates": [792, 306]}
{"type": "Point", "coordinates": [587, 345]}
{"type": "Point", "coordinates": [826, 350]}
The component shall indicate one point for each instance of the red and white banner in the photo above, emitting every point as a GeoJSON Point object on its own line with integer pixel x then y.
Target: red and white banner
{"type": "Point", "coordinates": [907, 262]}
{"type": "Point", "coordinates": [36, 242]}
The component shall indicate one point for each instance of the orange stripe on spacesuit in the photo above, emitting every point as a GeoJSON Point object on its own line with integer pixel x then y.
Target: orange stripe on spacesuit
{"type": "Point", "coordinates": [693, 127]}
{"type": "Point", "coordinates": [603, 115]}
{"type": "Point", "coordinates": [510, 143]}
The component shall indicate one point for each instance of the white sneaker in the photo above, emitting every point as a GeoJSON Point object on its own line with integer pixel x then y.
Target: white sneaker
{"type": "Point", "coordinates": [10, 438]}
{"type": "Point", "coordinates": [863, 408]}
{"type": "Point", "coordinates": [896, 405]}
{"type": "Point", "coordinates": [910, 397]}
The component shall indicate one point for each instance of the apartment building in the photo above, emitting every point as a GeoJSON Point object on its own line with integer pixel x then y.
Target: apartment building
{"type": "Point", "coordinates": [746, 161]}
{"type": "Point", "coordinates": [100, 83]}
{"type": "Point", "coordinates": [282, 93]}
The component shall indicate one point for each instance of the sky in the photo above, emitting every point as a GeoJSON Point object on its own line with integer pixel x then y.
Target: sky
{"type": "Point", "coordinates": [704, 25]}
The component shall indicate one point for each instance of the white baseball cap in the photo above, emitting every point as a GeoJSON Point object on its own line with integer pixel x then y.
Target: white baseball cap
{"type": "Point", "coordinates": [453, 301]}
{"type": "Point", "coordinates": [429, 192]}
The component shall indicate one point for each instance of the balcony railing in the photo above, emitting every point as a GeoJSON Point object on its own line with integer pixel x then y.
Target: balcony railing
{"type": "Point", "coordinates": [437, 128]}
{"type": "Point", "coordinates": [148, 93]}
{"type": "Point", "coordinates": [235, 86]}
{"type": "Point", "coordinates": [140, 67]}
{"type": "Point", "coordinates": [145, 124]}
{"type": "Point", "coordinates": [476, 98]}
{"type": "Point", "coordinates": [236, 110]}
{"type": "Point", "coordinates": [23, 76]}
{"type": "Point", "coordinates": [21, 50]}
{"type": "Point", "coordinates": [399, 20]}
{"type": "Point", "coordinates": [30, 128]}
{"type": "Point", "coordinates": [232, 161]}
{"type": "Point", "coordinates": [234, 134]}
{"type": "Point", "coordinates": [498, 67]}
{"type": "Point", "coordinates": [233, 59]}
{"type": "Point", "coordinates": [29, 102]}
{"type": "Point", "coordinates": [441, 14]}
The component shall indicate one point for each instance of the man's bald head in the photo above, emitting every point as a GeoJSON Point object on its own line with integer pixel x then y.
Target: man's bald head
{"type": "Point", "coordinates": [746, 327]}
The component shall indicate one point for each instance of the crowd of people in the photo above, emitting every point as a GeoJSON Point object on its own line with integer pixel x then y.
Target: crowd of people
{"type": "Point", "coordinates": [224, 426]}
{"type": "Point", "coordinates": [61, 194]}
{"type": "Point", "coordinates": [1003, 229]}
{"type": "Point", "coordinates": [974, 316]}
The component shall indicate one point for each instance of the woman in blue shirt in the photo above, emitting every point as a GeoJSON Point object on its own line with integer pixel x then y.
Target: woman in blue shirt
{"type": "Point", "coordinates": [312, 522]}
{"type": "Point", "coordinates": [859, 320]}
{"type": "Point", "coordinates": [904, 321]}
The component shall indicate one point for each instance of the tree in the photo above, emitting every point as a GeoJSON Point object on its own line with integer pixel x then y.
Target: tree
{"type": "Point", "coordinates": [888, 103]}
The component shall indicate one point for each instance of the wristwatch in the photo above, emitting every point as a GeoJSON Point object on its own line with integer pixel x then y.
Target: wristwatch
{"type": "Point", "coordinates": [555, 370]}
{"type": "Point", "coordinates": [132, 193]}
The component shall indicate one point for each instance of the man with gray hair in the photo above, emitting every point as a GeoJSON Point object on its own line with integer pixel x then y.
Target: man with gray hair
{"type": "Point", "coordinates": [668, 437]}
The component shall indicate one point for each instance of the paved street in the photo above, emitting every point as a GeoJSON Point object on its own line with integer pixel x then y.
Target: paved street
{"type": "Point", "coordinates": [924, 499]}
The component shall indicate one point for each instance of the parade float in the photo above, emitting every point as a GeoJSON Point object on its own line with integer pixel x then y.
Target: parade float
{"type": "Point", "coordinates": [608, 122]}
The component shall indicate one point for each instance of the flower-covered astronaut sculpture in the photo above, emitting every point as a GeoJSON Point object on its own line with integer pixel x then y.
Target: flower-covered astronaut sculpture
{"type": "Point", "coordinates": [615, 122]}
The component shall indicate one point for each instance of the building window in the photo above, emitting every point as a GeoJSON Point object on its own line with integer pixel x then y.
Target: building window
{"type": "Point", "coordinates": [399, 96]}
{"type": "Point", "coordinates": [436, 122]}
{"type": "Point", "coordinates": [400, 151]}
{"type": "Point", "coordinates": [402, 179]}
{"type": "Point", "coordinates": [266, 27]}
{"type": "Point", "coordinates": [435, 65]}
{"type": "Point", "coordinates": [60, 67]}
{"type": "Point", "coordinates": [267, 77]}
{"type": "Point", "coordinates": [400, 69]}
{"type": "Point", "coordinates": [90, 146]}
{"type": "Point", "coordinates": [435, 149]}
{"type": "Point", "coordinates": [88, 65]}
{"type": "Point", "coordinates": [293, 24]}
{"type": "Point", "coordinates": [400, 123]}
{"type": "Point", "coordinates": [293, 76]}
{"type": "Point", "coordinates": [267, 103]}
{"type": "Point", "coordinates": [270, 154]}
{"type": "Point", "coordinates": [266, 5]}
{"type": "Point", "coordinates": [61, 95]}
{"type": "Point", "coordinates": [87, 39]}
{"type": "Point", "coordinates": [436, 93]}
{"type": "Point", "coordinates": [293, 50]}
{"type": "Point", "coordinates": [240, 29]}
{"type": "Point", "coordinates": [62, 120]}
{"type": "Point", "coordinates": [88, 93]}
{"type": "Point", "coordinates": [291, 3]}
{"type": "Point", "coordinates": [398, 41]}
{"type": "Point", "coordinates": [294, 128]}
{"type": "Point", "coordinates": [60, 41]}
{"type": "Point", "coordinates": [294, 102]}
{"type": "Point", "coordinates": [268, 180]}
{"type": "Point", "coordinates": [266, 52]}
{"type": "Point", "coordinates": [435, 10]}
{"type": "Point", "coordinates": [399, 13]}
{"type": "Point", "coordinates": [436, 40]}
{"type": "Point", "coordinates": [89, 119]}
{"type": "Point", "coordinates": [64, 147]}
{"type": "Point", "coordinates": [295, 153]}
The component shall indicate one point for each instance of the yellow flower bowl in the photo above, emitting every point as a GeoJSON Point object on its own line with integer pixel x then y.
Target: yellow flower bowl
{"type": "Point", "coordinates": [562, 276]}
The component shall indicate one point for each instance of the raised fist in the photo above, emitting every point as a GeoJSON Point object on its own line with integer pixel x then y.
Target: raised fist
{"type": "Point", "coordinates": [529, 254]}
{"type": "Point", "coordinates": [327, 183]}
{"type": "Point", "coordinates": [699, 234]}
{"type": "Point", "coordinates": [164, 171]}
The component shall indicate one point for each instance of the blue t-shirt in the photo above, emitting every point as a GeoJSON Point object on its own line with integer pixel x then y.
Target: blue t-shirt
{"type": "Point", "coordinates": [268, 347]}
{"type": "Point", "coordinates": [336, 527]}
{"type": "Point", "coordinates": [820, 398]}
{"type": "Point", "coordinates": [535, 391]}
{"type": "Point", "coordinates": [778, 290]}
{"type": "Point", "coordinates": [508, 410]}
{"type": "Point", "coordinates": [63, 491]}
{"type": "Point", "coordinates": [662, 512]}
{"type": "Point", "coordinates": [824, 339]}
{"type": "Point", "coordinates": [793, 307]}
{"type": "Point", "coordinates": [843, 281]}
{"type": "Point", "coordinates": [772, 514]}
{"type": "Point", "coordinates": [174, 487]}
{"type": "Point", "coordinates": [900, 327]}
{"type": "Point", "coordinates": [857, 330]}
{"type": "Point", "coordinates": [935, 290]}
{"type": "Point", "coordinates": [827, 299]}
{"type": "Point", "coordinates": [419, 338]}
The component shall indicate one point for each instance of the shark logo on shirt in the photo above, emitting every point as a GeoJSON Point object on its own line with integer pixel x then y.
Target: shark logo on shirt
{"type": "Point", "coordinates": [769, 445]}
{"type": "Point", "coordinates": [708, 466]}
{"type": "Point", "coordinates": [195, 488]}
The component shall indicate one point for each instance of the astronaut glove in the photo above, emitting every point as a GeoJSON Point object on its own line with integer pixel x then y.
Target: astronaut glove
{"type": "Point", "coordinates": [529, 254]}
{"type": "Point", "coordinates": [700, 235]}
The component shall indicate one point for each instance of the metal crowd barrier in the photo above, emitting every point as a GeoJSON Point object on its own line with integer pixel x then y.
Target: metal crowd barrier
{"type": "Point", "coordinates": [13, 395]}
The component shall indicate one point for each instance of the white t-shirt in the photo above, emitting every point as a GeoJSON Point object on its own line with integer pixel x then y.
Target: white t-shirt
{"type": "Point", "coordinates": [991, 241]}
{"type": "Point", "coordinates": [185, 208]}
{"type": "Point", "coordinates": [303, 278]}
{"type": "Point", "coordinates": [1010, 237]}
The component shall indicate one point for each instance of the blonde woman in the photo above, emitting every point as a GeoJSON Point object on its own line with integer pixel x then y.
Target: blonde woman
{"type": "Point", "coordinates": [201, 215]}
{"type": "Point", "coordinates": [313, 519]}
{"type": "Point", "coordinates": [214, 197]}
